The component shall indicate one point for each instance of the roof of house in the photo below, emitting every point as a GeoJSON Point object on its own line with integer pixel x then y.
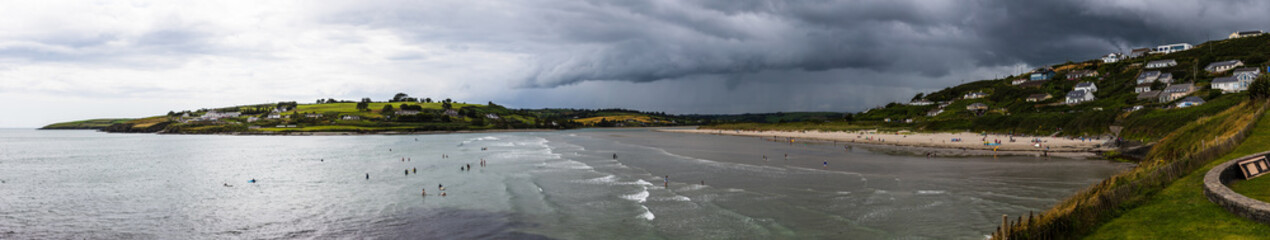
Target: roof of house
{"type": "Point", "coordinates": [1148, 74]}
{"type": "Point", "coordinates": [1037, 83]}
{"type": "Point", "coordinates": [1166, 76]}
{"type": "Point", "coordinates": [1192, 99]}
{"type": "Point", "coordinates": [1145, 84]}
{"type": "Point", "coordinates": [1222, 63]}
{"type": "Point", "coordinates": [1179, 87]}
{"type": "Point", "coordinates": [1165, 61]}
{"type": "Point", "coordinates": [1250, 32]}
{"type": "Point", "coordinates": [1142, 50]}
{"type": "Point", "coordinates": [1076, 94]}
{"type": "Point", "coordinates": [1248, 69]}
{"type": "Point", "coordinates": [1225, 80]}
{"type": "Point", "coordinates": [1149, 94]}
{"type": "Point", "coordinates": [1084, 84]}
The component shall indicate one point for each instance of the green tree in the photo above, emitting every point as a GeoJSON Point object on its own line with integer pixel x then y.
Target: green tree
{"type": "Point", "coordinates": [918, 96]}
{"type": "Point", "coordinates": [1260, 88]}
{"type": "Point", "coordinates": [363, 106]}
{"type": "Point", "coordinates": [400, 97]}
{"type": "Point", "coordinates": [446, 105]}
{"type": "Point", "coordinates": [387, 109]}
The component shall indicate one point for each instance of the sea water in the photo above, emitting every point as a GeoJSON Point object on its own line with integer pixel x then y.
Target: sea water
{"type": "Point", "coordinates": [536, 185]}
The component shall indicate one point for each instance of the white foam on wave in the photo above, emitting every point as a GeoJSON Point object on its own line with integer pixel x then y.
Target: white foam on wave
{"type": "Point", "coordinates": [643, 183]}
{"type": "Point", "coordinates": [602, 180]}
{"type": "Point", "coordinates": [641, 196]}
{"type": "Point", "coordinates": [647, 215]}
{"type": "Point", "coordinates": [692, 187]}
{"type": "Point", "coordinates": [675, 199]}
{"type": "Point", "coordinates": [930, 192]}
{"type": "Point", "coordinates": [843, 192]}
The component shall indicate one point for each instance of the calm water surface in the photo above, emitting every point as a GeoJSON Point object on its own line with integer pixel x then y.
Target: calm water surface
{"type": "Point", "coordinates": [543, 185]}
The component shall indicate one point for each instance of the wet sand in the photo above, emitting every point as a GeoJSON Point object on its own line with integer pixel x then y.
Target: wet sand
{"type": "Point", "coordinates": [969, 144]}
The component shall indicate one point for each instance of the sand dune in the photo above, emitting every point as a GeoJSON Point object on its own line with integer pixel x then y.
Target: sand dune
{"type": "Point", "coordinates": [937, 140]}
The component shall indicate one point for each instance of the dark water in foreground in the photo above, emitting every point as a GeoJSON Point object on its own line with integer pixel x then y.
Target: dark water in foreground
{"type": "Point", "coordinates": [546, 185]}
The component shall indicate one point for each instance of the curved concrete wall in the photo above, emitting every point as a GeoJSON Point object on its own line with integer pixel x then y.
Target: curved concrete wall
{"type": "Point", "coordinates": [1215, 189]}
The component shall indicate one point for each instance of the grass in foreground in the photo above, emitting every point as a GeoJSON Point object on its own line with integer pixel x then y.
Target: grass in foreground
{"type": "Point", "coordinates": [1257, 188]}
{"type": "Point", "coordinates": [1181, 211]}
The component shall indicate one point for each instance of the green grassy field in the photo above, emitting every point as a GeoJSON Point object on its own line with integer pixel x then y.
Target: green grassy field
{"type": "Point", "coordinates": [1181, 211]}
{"type": "Point", "coordinates": [1257, 188]}
{"type": "Point", "coordinates": [87, 124]}
{"type": "Point", "coordinates": [376, 106]}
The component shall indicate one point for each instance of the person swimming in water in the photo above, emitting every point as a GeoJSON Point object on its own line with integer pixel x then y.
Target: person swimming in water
{"type": "Point", "coordinates": [614, 156]}
{"type": "Point", "coordinates": [368, 176]}
{"type": "Point", "coordinates": [407, 172]}
{"type": "Point", "coordinates": [424, 192]}
{"type": "Point", "coordinates": [414, 170]}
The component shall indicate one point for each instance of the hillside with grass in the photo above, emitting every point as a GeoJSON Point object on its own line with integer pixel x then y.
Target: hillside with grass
{"type": "Point", "coordinates": [399, 114]}
{"type": "Point", "coordinates": [1115, 109]}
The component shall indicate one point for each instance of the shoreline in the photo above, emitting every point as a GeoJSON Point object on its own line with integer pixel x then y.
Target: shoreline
{"type": "Point", "coordinates": [326, 133]}
{"type": "Point", "coordinates": [921, 143]}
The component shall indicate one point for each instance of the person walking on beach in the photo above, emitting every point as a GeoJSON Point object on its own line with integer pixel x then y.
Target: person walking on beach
{"type": "Point", "coordinates": [367, 176]}
{"type": "Point", "coordinates": [826, 165]}
{"type": "Point", "coordinates": [666, 181]}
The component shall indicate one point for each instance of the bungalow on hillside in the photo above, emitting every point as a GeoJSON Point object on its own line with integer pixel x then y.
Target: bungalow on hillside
{"type": "Point", "coordinates": [1018, 81]}
{"type": "Point", "coordinates": [1039, 97]}
{"type": "Point", "coordinates": [1073, 75]}
{"type": "Point", "coordinates": [1252, 33]}
{"type": "Point", "coordinates": [1033, 84]}
{"type": "Point", "coordinates": [975, 95]}
{"type": "Point", "coordinates": [1148, 77]}
{"type": "Point", "coordinates": [1161, 63]}
{"type": "Point", "coordinates": [451, 113]}
{"type": "Point", "coordinates": [1149, 95]}
{"type": "Point", "coordinates": [351, 117]}
{"type": "Point", "coordinates": [1223, 66]}
{"type": "Point", "coordinates": [1190, 101]}
{"type": "Point", "coordinates": [1141, 88]}
{"type": "Point", "coordinates": [935, 112]}
{"type": "Point", "coordinates": [977, 107]}
{"type": "Point", "coordinates": [1112, 58]}
{"type": "Point", "coordinates": [1079, 96]}
{"type": "Point", "coordinates": [1247, 74]}
{"type": "Point", "coordinates": [253, 119]}
{"type": "Point", "coordinates": [1042, 74]}
{"type": "Point", "coordinates": [406, 112]}
{"type": "Point", "coordinates": [921, 102]}
{"type": "Point", "coordinates": [1230, 84]}
{"type": "Point", "coordinates": [1176, 91]}
{"type": "Point", "coordinates": [1172, 48]}
{"type": "Point", "coordinates": [496, 117]}
{"type": "Point", "coordinates": [1139, 52]}
{"type": "Point", "coordinates": [312, 115]}
{"type": "Point", "coordinates": [1087, 86]}
{"type": "Point", "coordinates": [274, 116]}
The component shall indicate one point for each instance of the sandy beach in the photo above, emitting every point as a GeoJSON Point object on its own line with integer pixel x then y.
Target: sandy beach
{"type": "Point", "coordinates": [969, 141]}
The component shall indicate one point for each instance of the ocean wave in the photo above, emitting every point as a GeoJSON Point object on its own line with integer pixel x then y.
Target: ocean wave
{"type": "Point", "coordinates": [674, 199]}
{"type": "Point", "coordinates": [641, 196]}
{"type": "Point", "coordinates": [601, 180]}
{"type": "Point", "coordinates": [647, 215]}
{"type": "Point", "coordinates": [930, 192]}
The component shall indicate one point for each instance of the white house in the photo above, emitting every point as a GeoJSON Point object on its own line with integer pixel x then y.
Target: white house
{"type": "Point", "coordinates": [496, 117]}
{"type": "Point", "coordinates": [1252, 33]}
{"type": "Point", "coordinates": [406, 112]}
{"type": "Point", "coordinates": [1148, 77]}
{"type": "Point", "coordinates": [312, 115]}
{"type": "Point", "coordinates": [1247, 74]}
{"type": "Point", "coordinates": [1112, 57]}
{"type": "Point", "coordinates": [1139, 52]}
{"type": "Point", "coordinates": [1038, 97]}
{"type": "Point", "coordinates": [1079, 96]}
{"type": "Point", "coordinates": [975, 95]}
{"type": "Point", "coordinates": [935, 112]}
{"type": "Point", "coordinates": [253, 119]}
{"type": "Point", "coordinates": [1087, 87]}
{"type": "Point", "coordinates": [1172, 48]}
{"type": "Point", "coordinates": [1230, 84]}
{"type": "Point", "coordinates": [213, 115]}
{"type": "Point", "coordinates": [1141, 88]}
{"type": "Point", "coordinates": [1073, 75]}
{"type": "Point", "coordinates": [274, 116]}
{"type": "Point", "coordinates": [977, 107]}
{"type": "Point", "coordinates": [1223, 66]}
{"type": "Point", "coordinates": [921, 102]}
{"type": "Point", "coordinates": [1018, 81]}
{"type": "Point", "coordinates": [1161, 63]}
{"type": "Point", "coordinates": [1176, 91]}
{"type": "Point", "coordinates": [1190, 101]}
{"type": "Point", "coordinates": [351, 117]}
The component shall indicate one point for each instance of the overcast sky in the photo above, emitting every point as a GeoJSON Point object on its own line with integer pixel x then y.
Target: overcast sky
{"type": "Point", "coordinates": [63, 61]}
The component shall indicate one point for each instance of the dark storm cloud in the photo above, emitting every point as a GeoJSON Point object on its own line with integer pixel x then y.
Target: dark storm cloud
{"type": "Point", "coordinates": [641, 41]}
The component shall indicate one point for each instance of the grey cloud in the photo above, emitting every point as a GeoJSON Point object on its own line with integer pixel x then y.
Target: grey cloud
{"type": "Point", "coordinates": [642, 41]}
